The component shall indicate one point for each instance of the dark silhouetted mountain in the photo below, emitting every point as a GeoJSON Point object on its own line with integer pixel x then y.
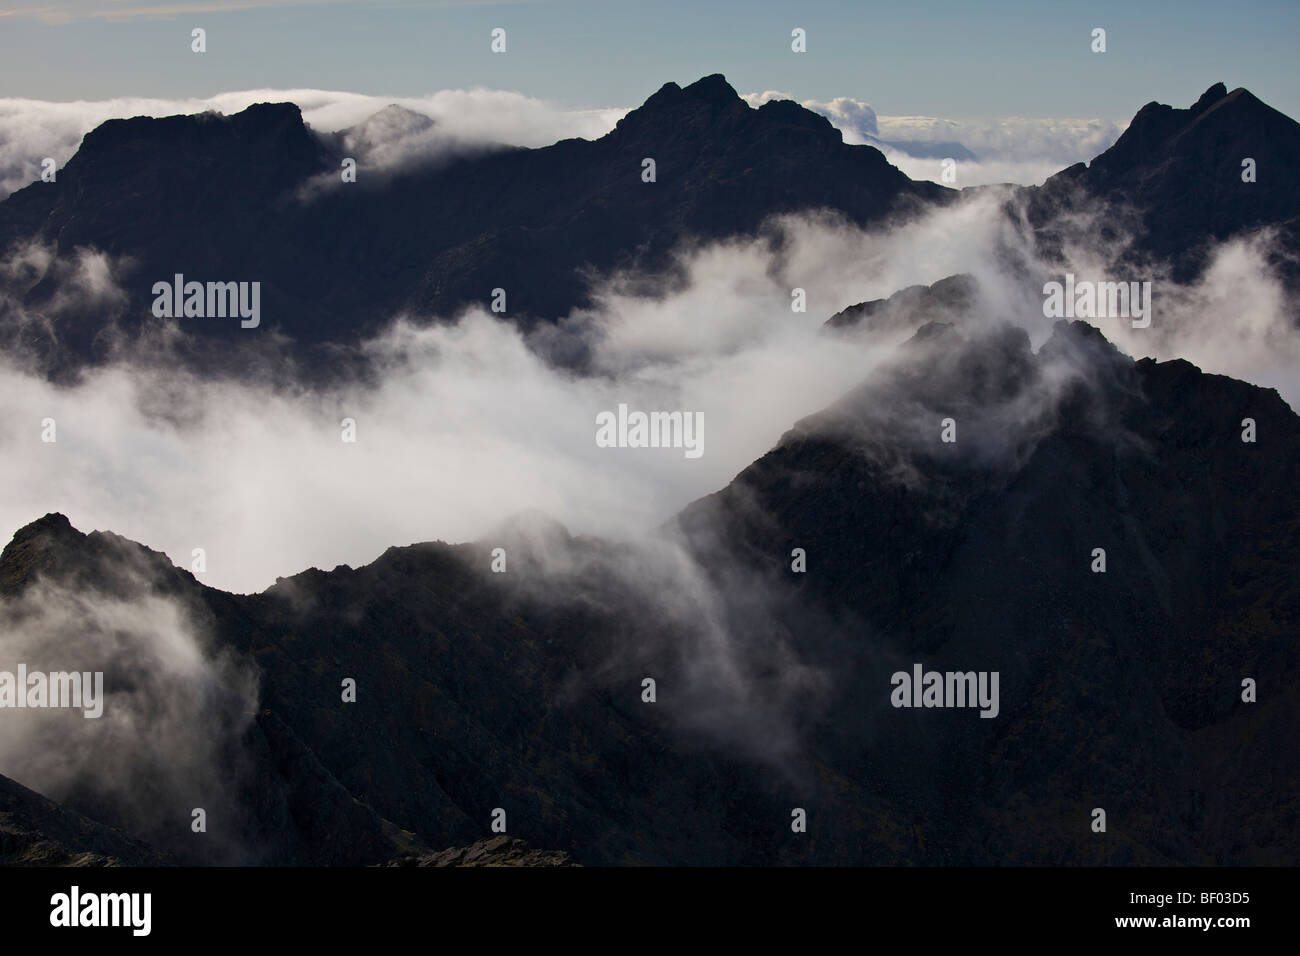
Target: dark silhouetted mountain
{"type": "Point", "coordinates": [1121, 689]}
{"type": "Point", "coordinates": [35, 831]}
{"type": "Point", "coordinates": [522, 691]}
{"type": "Point", "coordinates": [258, 197]}
{"type": "Point", "coordinates": [909, 308]}
{"type": "Point", "coordinates": [193, 190]}
{"type": "Point", "coordinates": [283, 806]}
{"type": "Point", "coordinates": [473, 693]}
{"type": "Point", "coordinates": [1181, 171]}
{"type": "Point", "coordinates": [243, 198]}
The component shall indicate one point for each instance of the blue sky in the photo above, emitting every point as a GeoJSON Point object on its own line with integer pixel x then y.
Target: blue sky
{"type": "Point", "coordinates": [932, 57]}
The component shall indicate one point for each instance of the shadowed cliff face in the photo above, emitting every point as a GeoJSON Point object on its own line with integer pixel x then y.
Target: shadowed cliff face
{"type": "Point", "coordinates": [35, 831]}
{"type": "Point", "coordinates": [524, 690]}
{"type": "Point", "coordinates": [1120, 688]}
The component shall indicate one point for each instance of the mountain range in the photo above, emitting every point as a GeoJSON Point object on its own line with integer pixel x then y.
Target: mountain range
{"type": "Point", "coordinates": [257, 196]}
{"type": "Point", "coordinates": [1096, 530]}
{"type": "Point", "coordinates": [219, 198]}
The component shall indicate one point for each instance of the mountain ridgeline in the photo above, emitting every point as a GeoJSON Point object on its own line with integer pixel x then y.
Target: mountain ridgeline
{"type": "Point", "coordinates": [258, 197]}
{"type": "Point", "coordinates": [1189, 178]}
{"type": "Point", "coordinates": [221, 199]}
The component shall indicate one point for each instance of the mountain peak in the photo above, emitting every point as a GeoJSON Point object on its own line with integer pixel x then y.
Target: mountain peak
{"type": "Point", "coordinates": [380, 129]}
{"type": "Point", "coordinates": [1186, 169]}
{"type": "Point", "coordinates": [1159, 128]}
{"type": "Point", "coordinates": [792, 114]}
{"type": "Point", "coordinates": [712, 92]}
{"type": "Point", "coordinates": [258, 120]}
{"type": "Point", "coordinates": [54, 524]}
{"type": "Point", "coordinates": [1211, 96]}
{"type": "Point", "coordinates": [711, 109]}
{"type": "Point", "coordinates": [35, 548]}
{"type": "Point", "coordinates": [269, 140]}
{"type": "Point", "coordinates": [714, 89]}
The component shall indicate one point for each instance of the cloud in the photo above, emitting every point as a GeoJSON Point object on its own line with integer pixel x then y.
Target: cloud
{"type": "Point", "coordinates": [1064, 141]}
{"type": "Point", "coordinates": [467, 422]}
{"type": "Point", "coordinates": [1007, 150]}
{"type": "Point", "coordinates": [174, 709]}
{"type": "Point", "coordinates": [977, 172]}
{"type": "Point", "coordinates": [1235, 319]}
{"type": "Point", "coordinates": [854, 118]}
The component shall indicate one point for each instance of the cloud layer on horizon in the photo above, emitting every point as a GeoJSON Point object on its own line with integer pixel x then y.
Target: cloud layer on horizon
{"type": "Point", "coordinates": [1013, 149]}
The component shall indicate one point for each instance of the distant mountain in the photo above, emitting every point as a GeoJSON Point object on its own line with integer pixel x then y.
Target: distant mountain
{"type": "Point", "coordinates": [218, 199]}
{"type": "Point", "coordinates": [258, 197]}
{"type": "Point", "coordinates": [1181, 170]}
{"type": "Point", "coordinates": [1119, 689]}
{"type": "Point", "coordinates": [391, 123]}
{"type": "Point", "coordinates": [928, 149]}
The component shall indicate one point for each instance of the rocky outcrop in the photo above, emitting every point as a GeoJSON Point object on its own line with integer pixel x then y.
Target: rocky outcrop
{"type": "Point", "coordinates": [497, 851]}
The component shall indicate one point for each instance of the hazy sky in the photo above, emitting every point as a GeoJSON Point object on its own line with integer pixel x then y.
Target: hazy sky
{"type": "Point", "coordinates": [934, 57]}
